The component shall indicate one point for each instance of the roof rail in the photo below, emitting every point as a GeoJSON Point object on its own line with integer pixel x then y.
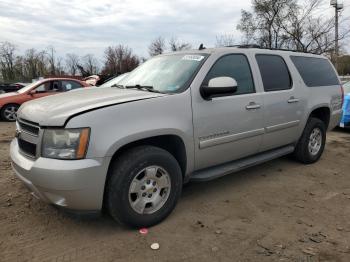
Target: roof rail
{"type": "Point", "coordinates": [246, 46]}
{"type": "Point", "coordinates": [267, 48]}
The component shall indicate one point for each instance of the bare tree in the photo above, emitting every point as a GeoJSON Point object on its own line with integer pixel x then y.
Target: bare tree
{"type": "Point", "coordinates": [176, 45]}
{"type": "Point", "coordinates": [59, 66]}
{"type": "Point", "coordinates": [289, 24]}
{"type": "Point", "coordinates": [90, 65]}
{"type": "Point", "coordinates": [111, 61]}
{"type": "Point", "coordinates": [119, 59]}
{"type": "Point", "coordinates": [51, 58]}
{"type": "Point", "coordinates": [157, 46]}
{"type": "Point", "coordinates": [225, 40]}
{"type": "Point", "coordinates": [72, 61]}
{"type": "Point", "coordinates": [344, 65]}
{"type": "Point", "coordinates": [264, 24]}
{"type": "Point", "coordinates": [7, 60]}
{"type": "Point", "coordinates": [309, 33]}
{"type": "Point", "coordinates": [248, 27]}
{"type": "Point", "coordinates": [35, 64]}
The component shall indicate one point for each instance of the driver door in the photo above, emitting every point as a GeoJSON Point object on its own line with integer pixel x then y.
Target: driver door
{"type": "Point", "coordinates": [227, 128]}
{"type": "Point", "coordinates": [42, 90]}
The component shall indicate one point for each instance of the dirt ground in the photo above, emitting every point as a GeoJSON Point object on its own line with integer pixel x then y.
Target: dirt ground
{"type": "Point", "coordinates": [278, 211]}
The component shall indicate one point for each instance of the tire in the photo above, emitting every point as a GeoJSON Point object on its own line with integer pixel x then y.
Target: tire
{"type": "Point", "coordinates": [305, 152]}
{"type": "Point", "coordinates": [132, 172]}
{"type": "Point", "coordinates": [9, 112]}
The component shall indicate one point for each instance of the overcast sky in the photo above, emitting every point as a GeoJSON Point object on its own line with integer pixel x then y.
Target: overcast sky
{"type": "Point", "coordinates": [90, 26]}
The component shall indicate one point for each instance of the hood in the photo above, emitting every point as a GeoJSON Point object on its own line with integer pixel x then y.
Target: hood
{"type": "Point", "coordinates": [56, 109]}
{"type": "Point", "coordinates": [8, 94]}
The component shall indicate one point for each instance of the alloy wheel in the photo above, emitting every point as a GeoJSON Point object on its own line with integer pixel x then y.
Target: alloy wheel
{"type": "Point", "coordinates": [149, 190]}
{"type": "Point", "coordinates": [10, 113]}
{"type": "Point", "coordinates": [315, 141]}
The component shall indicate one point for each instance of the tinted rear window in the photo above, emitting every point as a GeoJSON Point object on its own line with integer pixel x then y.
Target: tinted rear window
{"type": "Point", "coordinates": [274, 72]}
{"type": "Point", "coordinates": [315, 71]}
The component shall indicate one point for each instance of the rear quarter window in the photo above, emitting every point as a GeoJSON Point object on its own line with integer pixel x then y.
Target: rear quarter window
{"type": "Point", "coordinates": [315, 71]}
{"type": "Point", "coordinates": [68, 85]}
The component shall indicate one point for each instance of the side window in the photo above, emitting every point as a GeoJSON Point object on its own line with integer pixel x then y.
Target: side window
{"type": "Point", "coordinates": [274, 72]}
{"type": "Point", "coordinates": [315, 71]}
{"type": "Point", "coordinates": [237, 67]}
{"type": "Point", "coordinates": [55, 87]}
{"type": "Point", "coordinates": [70, 85]}
{"type": "Point", "coordinates": [43, 88]}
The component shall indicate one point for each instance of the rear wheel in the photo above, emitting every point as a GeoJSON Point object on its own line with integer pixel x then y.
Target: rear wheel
{"type": "Point", "coordinates": [9, 112]}
{"type": "Point", "coordinates": [144, 186]}
{"type": "Point", "coordinates": [312, 142]}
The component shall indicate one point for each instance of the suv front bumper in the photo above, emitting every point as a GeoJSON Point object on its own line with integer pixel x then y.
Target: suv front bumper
{"type": "Point", "coordinates": [72, 184]}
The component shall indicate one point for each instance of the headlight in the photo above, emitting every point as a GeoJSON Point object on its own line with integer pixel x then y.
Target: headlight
{"type": "Point", "coordinates": [65, 143]}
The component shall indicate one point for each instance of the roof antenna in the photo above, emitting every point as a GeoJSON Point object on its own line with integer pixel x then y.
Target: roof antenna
{"type": "Point", "coordinates": [201, 47]}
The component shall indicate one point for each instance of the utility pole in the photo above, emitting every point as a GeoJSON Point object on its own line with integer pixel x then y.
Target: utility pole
{"type": "Point", "coordinates": [337, 8]}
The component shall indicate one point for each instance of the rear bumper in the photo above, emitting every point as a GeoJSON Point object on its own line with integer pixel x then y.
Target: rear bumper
{"type": "Point", "coordinates": [75, 185]}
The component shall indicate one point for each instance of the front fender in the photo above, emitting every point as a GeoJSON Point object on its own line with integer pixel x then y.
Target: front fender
{"type": "Point", "coordinates": [144, 135]}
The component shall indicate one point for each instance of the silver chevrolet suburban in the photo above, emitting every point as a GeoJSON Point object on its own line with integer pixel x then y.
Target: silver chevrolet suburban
{"type": "Point", "coordinates": [179, 117]}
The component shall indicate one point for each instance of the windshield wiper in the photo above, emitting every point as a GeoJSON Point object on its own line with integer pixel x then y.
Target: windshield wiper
{"type": "Point", "coordinates": [117, 85]}
{"type": "Point", "coordinates": [147, 88]}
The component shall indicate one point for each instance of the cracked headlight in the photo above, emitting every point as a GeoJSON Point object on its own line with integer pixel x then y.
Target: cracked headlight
{"type": "Point", "coordinates": [65, 143]}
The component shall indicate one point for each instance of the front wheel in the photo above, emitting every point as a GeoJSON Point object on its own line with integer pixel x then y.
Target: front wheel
{"type": "Point", "coordinates": [312, 142]}
{"type": "Point", "coordinates": [144, 186]}
{"type": "Point", "coordinates": [9, 112]}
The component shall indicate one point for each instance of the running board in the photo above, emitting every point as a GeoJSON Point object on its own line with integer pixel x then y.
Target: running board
{"type": "Point", "coordinates": [237, 165]}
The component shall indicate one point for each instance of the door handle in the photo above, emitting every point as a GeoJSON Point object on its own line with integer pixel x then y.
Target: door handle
{"type": "Point", "coordinates": [293, 100]}
{"type": "Point", "coordinates": [252, 106]}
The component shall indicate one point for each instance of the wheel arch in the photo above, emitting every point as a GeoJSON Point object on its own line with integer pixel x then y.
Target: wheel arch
{"type": "Point", "coordinates": [10, 103]}
{"type": "Point", "coordinates": [323, 113]}
{"type": "Point", "coordinates": [174, 144]}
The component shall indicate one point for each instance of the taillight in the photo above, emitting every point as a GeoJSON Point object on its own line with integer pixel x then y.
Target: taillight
{"type": "Point", "coordinates": [342, 95]}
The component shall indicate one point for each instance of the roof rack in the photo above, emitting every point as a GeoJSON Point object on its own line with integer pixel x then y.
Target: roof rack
{"type": "Point", "coordinates": [266, 48]}
{"type": "Point", "coordinates": [246, 46]}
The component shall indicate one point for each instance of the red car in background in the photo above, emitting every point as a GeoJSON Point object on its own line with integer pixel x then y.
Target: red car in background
{"type": "Point", "coordinates": [10, 102]}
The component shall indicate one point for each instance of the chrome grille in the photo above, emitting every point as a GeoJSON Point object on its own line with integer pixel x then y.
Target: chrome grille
{"type": "Point", "coordinates": [28, 137]}
{"type": "Point", "coordinates": [29, 127]}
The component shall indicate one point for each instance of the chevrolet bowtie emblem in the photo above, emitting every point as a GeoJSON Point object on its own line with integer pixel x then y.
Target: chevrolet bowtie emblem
{"type": "Point", "coordinates": [18, 133]}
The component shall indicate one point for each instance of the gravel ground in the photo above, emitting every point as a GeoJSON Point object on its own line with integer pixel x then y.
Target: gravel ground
{"type": "Point", "coordinates": [278, 211]}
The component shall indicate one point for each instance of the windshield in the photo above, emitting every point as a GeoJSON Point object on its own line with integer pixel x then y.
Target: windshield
{"type": "Point", "coordinates": [347, 87]}
{"type": "Point", "coordinates": [166, 74]}
{"type": "Point", "coordinates": [27, 88]}
{"type": "Point", "coordinates": [114, 81]}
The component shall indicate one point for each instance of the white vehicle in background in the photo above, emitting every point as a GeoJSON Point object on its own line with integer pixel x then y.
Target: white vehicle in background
{"type": "Point", "coordinates": [92, 80]}
{"type": "Point", "coordinates": [114, 81]}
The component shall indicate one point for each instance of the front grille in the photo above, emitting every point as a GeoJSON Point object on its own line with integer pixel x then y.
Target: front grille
{"type": "Point", "coordinates": [28, 137]}
{"type": "Point", "coordinates": [29, 127]}
{"type": "Point", "coordinates": [27, 148]}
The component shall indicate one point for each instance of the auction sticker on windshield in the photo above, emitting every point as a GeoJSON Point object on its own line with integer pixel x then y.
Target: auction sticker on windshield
{"type": "Point", "coordinates": [193, 57]}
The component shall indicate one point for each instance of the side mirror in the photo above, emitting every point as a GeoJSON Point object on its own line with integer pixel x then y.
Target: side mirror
{"type": "Point", "coordinates": [219, 86]}
{"type": "Point", "coordinates": [32, 92]}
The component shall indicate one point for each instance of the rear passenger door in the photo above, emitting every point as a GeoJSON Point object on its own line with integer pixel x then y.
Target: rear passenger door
{"type": "Point", "coordinates": [282, 102]}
